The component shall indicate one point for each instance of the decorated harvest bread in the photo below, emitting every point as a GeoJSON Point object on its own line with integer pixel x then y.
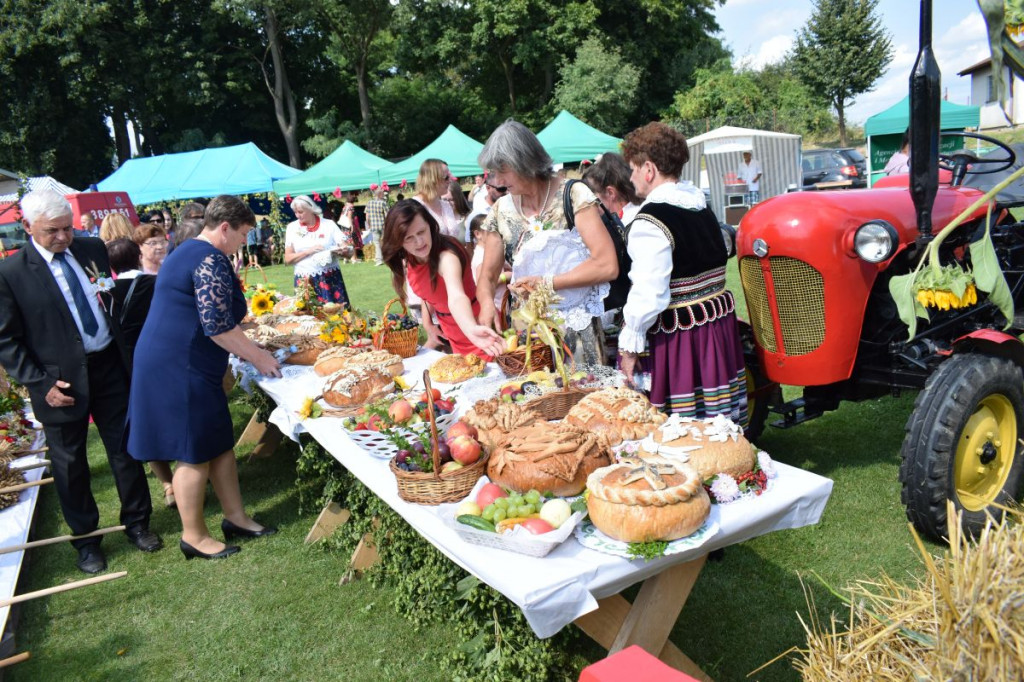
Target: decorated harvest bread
{"type": "Point", "coordinates": [341, 357]}
{"type": "Point", "coordinates": [303, 325]}
{"type": "Point", "coordinates": [265, 336]}
{"type": "Point", "coordinates": [711, 446]}
{"type": "Point", "coordinates": [451, 369]}
{"type": "Point", "coordinates": [494, 419]}
{"type": "Point", "coordinates": [618, 413]}
{"type": "Point", "coordinates": [552, 457]}
{"type": "Point", "coordinates": [357, 386]}
{"type": "Point", "coordinates": [643, 500]}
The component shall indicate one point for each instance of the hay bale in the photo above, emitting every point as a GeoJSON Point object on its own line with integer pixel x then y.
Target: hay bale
{"type": "Point", "coordinates": [963, 621]}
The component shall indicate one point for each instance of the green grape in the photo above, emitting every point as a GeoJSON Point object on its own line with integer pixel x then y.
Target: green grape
{"type": "Point", "coordinates": [533, 497]}
{"type": "Point", "coordinates": [499, 515]}
{"type": "Point", "coordinates": [488, 512]}
{"type": "Point", "coordinates": [524, 510]}
{"type": "Point", "coordinates": [501, 502]}
{"type": "Point", "coordinates": [515, 500]}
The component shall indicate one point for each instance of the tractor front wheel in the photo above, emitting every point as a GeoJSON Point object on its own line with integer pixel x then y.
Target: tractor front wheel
{"type": "Point", "coordinates": [963, 443]}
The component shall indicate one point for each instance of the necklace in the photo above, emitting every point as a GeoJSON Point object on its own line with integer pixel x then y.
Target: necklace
{"type": "Point", "coordinates": [540, 211]}
{"type": "Point", "coordinates": [312, 228]}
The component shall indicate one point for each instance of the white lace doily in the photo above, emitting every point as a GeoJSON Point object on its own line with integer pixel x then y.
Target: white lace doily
{"type": "Point", "coordinates": [550, 252]}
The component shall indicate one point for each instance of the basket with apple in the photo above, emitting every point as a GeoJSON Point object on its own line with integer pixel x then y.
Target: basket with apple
{"type": "Point", "coordinates": [422, 477]}
{"type": "Point", "coordinates": [387, 426]}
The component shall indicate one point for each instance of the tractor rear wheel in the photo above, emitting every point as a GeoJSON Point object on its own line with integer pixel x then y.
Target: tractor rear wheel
{"type": "Point", "coordinates": [963, 443]}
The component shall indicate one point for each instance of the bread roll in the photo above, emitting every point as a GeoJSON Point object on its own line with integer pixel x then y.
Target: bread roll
{"type": "Point", "coordinates": [554, 458]}
{"type": "Point", "coordinates": [711, 446]}
{"type": "Point", "coordinates": [452, 369]}
{"type": "Point", "coordinates": [644, 500]}
{"type": "Point", "coordinates": [356, 386]}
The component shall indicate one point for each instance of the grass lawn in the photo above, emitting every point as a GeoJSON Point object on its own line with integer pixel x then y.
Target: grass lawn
{"type": "Point", "coordinates": [276, 611]}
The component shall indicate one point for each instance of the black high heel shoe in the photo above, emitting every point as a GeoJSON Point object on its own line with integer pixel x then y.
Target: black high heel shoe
{"type": "Point", "coordinates": [191, 552]}
{"type": "Point", "coordinates": [231, 530]}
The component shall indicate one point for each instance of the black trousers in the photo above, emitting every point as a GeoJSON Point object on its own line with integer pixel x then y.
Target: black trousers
{"type": "Point", "coordinates": [108, 405]}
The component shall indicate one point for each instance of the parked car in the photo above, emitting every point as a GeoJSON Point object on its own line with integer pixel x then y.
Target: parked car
{"type": "Point", "coordinates": [834, 165]}
{"type": "Point", "coordinates": [12, 237]}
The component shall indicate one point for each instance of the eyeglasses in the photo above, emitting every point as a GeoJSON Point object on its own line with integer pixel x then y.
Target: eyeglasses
{"type": "Point", "coordinates": [502, 190]}
{"type": "Point", "coordinates": [155, 243]}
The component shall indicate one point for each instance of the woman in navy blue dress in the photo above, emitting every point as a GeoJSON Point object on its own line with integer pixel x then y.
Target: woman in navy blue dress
{"type": "Point", "coordinates": [178, 411]}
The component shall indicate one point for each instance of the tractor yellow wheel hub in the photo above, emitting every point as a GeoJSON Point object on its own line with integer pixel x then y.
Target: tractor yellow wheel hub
{"type": "Point", "coordinates": [985, 453]}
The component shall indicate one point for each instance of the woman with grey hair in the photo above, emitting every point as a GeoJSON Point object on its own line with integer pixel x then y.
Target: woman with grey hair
{"type": "Point", "coordinates": [529, 228]}
{"type": "Point", "coordinates": [313, 243]}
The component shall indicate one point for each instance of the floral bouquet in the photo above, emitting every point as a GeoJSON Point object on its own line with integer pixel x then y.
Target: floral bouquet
{"type": "Point", "coordinates": [306, 299]}
{"type": "Point", "coordinates": [344, 327]}
{"type": "Point", "coordinates": [262, 300]}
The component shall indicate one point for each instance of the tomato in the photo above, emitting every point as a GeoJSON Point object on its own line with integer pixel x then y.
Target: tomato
{"type": "Point", "coordinates": [444, 405]}
{"type": "Point", "coordinates": [435, 394]}
{"type": "Point", "coordinates": [537, 526]}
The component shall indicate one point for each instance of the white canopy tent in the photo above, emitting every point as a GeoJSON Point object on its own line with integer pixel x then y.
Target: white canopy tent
{"type": "Point", "coordinates": [9, 190]}
{"type": "Point", "coordinates": [722, 152]}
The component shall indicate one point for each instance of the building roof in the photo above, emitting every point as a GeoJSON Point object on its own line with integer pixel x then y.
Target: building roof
{"type": "Point", "coordinates": [987, 61]}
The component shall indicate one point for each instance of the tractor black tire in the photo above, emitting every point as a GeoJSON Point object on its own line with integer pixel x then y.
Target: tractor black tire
{"type": "Point", "coordinates": [956, 405]}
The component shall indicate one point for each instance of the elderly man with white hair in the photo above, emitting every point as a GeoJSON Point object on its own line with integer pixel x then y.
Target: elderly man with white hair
{"type": "Point", "coordinates": [57, 339]}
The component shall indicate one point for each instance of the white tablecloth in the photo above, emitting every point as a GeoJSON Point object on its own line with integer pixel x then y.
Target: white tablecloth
{"type": "Point", "coordinates": [15, 523]}
{"type": "Point", "coordinates": [552, 591]}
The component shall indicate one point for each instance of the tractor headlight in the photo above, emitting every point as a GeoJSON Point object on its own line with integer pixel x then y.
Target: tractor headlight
{"type": "Point", "coordinates": [875, 241]}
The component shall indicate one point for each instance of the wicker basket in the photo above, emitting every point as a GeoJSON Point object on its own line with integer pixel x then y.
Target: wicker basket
{"type": "Point", "coordinates": [402, 342]}
{"type": "Point", "coordinates": [514, 364]}
{"type": "Point", "coordinates": [433, 488]}
{"type": "Point", "coordinates": [554, 406]}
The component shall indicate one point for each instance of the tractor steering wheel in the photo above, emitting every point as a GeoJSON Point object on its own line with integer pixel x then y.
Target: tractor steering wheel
{"type": "Point", "coordinates": [959, 161]}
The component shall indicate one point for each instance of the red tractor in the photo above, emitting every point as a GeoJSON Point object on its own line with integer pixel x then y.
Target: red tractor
{"type": "Point", "coordinates": [815, 269]}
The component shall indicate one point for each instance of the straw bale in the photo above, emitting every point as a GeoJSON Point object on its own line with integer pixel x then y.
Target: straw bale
{"type": "Point", "coordinates": [963, 621]}
{"type": "Point", "coordinates": [9, 477]}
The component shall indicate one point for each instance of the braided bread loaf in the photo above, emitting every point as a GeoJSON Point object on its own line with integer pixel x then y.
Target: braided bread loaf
{"type": "Point", "coordinates": [642, 500]}
{"type": "Point", "coordinates": [618, 413]}
{"type": "Point", "coordinates": [552, 457]}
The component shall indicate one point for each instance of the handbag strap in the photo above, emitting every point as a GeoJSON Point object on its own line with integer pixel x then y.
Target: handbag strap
{"type": "Point", "coordinates": [570, 213]}
{"type": "Point", "coordinates": [127, 300]}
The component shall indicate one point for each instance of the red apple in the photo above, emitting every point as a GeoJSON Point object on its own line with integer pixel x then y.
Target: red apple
{"type": "Point", "coordinates": [400, 411]}
{"type": "Point", "coordinates": [434, 393]}
{"type": "Point", "coordinates": [461, 428]}
{"type": "Point", "coordinates": [465, 450]}
{"type": "Point", "coordinates": [374, 422]}
{"type": "Point", "coordinates": [444, 405]}
{"type": "Point", "coordinates": [488, 494]}
{"type": "Point", "coordinates": [537, 526]}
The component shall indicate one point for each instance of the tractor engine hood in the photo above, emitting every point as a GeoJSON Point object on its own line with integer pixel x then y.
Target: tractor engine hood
{"type": "Point", "coordinates": [805, 286]}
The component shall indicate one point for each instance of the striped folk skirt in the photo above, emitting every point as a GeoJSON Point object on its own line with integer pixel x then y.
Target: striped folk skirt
{"type": "Point", "coordinates": [698, 372]}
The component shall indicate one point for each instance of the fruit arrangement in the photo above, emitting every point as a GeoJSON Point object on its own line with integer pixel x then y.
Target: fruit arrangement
{"type": "Point", "coordinates": [458, 449]}
{"type": "Point", "coordinates": [16, 432]}
{"type": "Point", "coordinates": [400, 412]}
{"type": "Point", "coordinates": [542, 381]}
{"type": "Point", "coordinates": [497, 510]}
{"type": "Point", "coordinates": [392, 322]}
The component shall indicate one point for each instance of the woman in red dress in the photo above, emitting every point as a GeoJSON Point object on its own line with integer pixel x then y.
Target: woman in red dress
{"type": "Point", "coordinates": [437, 269]}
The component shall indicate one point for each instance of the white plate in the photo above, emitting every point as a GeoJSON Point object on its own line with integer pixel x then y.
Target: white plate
{"type": "Point", "coordinates": [590, 537]}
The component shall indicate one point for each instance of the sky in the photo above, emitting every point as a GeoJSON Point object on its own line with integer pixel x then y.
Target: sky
{"type": "Point", "coordinates": [761, 32]}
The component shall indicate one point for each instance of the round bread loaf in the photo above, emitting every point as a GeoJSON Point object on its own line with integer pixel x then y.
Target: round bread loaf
{"type": "Point", "coordinates": [645, 500]}
{"type": "Point", "coordinates": [383, 360]}
{"type": "Point", "coordinates": [308, 349]}
{"type": "Point", "coordinates": [452, 369]}
{"type": "Point", "coordinates": [356, 386]}
{"type": "Point", "coordinates": [711, 446]}
{"type": "Point", "coordinates": [495, 419]}
{"type": "Point", "coordinates": [334, 358]}
{"type": "Point", "coordinates": [618, 413]}
{"type": "Point", "coordinates": [553, 458]}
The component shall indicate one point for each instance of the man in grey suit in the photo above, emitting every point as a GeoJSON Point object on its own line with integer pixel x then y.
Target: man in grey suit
{"type": "Point", "coordinates": [57, 339]}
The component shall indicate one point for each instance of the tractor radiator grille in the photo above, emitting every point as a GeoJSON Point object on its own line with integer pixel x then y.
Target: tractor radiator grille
{"type": "Point", "coordinates": [799, 298]}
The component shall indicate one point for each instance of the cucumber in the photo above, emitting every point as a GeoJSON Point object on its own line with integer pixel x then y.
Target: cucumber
{"type": "Point", "coordinates": [477, 522]}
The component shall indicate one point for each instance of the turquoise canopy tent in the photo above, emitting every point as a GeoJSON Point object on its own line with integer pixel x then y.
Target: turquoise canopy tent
{"type": "Point", "coordinates": [568, 139]}
{"type": "Point", "coordinates": [885, 129]}
{"type": "Point", "coordinates": [241, 169]}
{"type": "Point", "coordinates": [347, 167]}
{"type": "Point", "coordinates": [453, 147]}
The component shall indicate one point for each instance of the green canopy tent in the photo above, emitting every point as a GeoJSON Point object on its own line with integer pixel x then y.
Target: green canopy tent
{"type": "Point", "coordinates": [568, 139]}
{"type": "Point", "coordinates": [885, 130]}
{"type": "Point", "coordinates": [453, 147]}
{"type": "Point", "coordinates": [347, 167]}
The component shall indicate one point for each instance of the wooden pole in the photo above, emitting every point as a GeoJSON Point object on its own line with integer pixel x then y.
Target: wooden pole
{"type": "Point", "coordinates": [16, 658]}
{"type": "Point", "coordinates": [59, 538]}
{"type": "Point", "coordinates": [24, 453]}
{"type": "Point", "coordinates": [23, 486]}
{"type": "Point", "coordinates": [30, 467]}
{"type": "Point", "coordinates": [17, 599]}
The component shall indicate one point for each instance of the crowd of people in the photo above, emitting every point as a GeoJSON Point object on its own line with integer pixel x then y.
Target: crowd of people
{"type": "Point", "coordinates": [144, 359]}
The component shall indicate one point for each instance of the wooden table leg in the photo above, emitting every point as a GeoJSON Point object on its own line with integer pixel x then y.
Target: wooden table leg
{"type": "Point", "coordinates": [648, 621]}
{"type": "Point", "coordinates": [331, 517]}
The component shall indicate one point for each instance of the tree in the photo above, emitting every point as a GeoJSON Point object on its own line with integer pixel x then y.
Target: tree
{"type": "Point", "coordinates": [841, 52]}
{"type": "Point", "coordinates": [598, 87]}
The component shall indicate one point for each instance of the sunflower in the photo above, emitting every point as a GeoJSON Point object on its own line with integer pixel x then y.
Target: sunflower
{"type": "Point", "coordinates": [262, 304]}
{"type": "Point", "coordinates": [310, 409]}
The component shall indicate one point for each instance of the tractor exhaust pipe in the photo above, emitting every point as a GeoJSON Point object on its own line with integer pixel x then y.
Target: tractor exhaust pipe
{"type": "Point", "coordinates": [925, 83]}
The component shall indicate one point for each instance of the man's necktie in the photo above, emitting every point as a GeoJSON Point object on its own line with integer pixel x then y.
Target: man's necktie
{"type": "Point", "coordinates": [89, 323]}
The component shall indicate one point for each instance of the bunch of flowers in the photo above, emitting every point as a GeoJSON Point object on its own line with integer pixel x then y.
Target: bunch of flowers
{"type": "Point", "coordinates": [344, 327]}
{"type": "Point", "coordinates": [16, 432]}
{"type": "Point", "coordinates": [262, 300]}
{"type": "Point", "coordinates": [723, 488]}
